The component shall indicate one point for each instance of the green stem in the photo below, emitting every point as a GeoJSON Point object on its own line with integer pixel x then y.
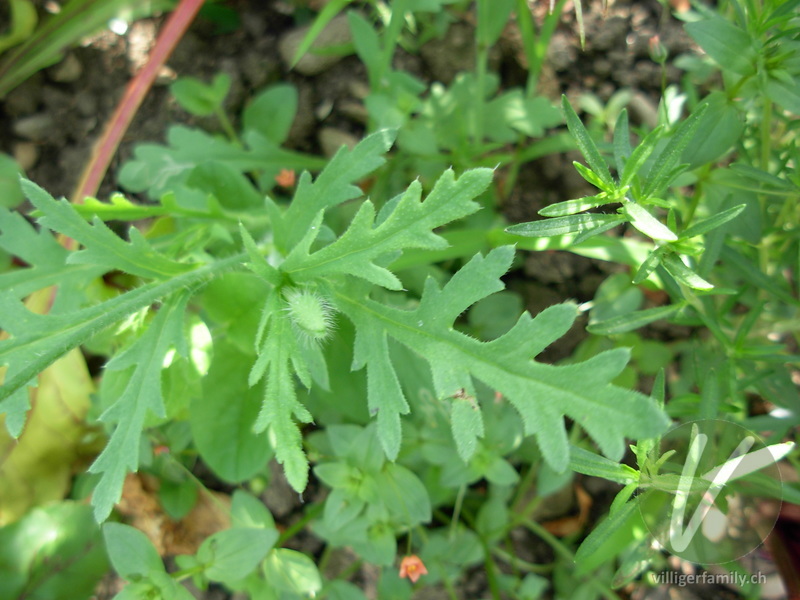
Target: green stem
{"type": "Point", "coordinates": [186, 573]}
{"type": "Point", "coordinates": [391, 37]}
{"type": "Point", "coordinates": [457, 509]}
{"type": "Point", "coordinates": [449, 587]}
{"type": "Point", "coordinates": [350, 570]}
{"type": "Point", "coordinates": [567, 555]}
{"type": "Point", "coordinates": [698, 193]}
{"type": "Point", "coordinates": [766, 152]}
{"type": "Point", "coordinates": [537, 59]}
{"type": "Point", "coordinates": [325, 558]}
{"type": "Point", "coordinates": [481, 69]}
{"type": "Point", "coordinates": [523, 487]}
{"type": "Point", "coordinates": [518, 563]}
{"type": "Point", "coordinates": [491, 575]}
{"type": "Point", "coordinates": [227, 126]}
{"type": "Point", "coordinates": [312, 513]}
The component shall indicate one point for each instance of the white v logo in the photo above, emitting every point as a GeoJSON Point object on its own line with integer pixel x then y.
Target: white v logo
{"type": "Point", "coordinates": [680, 538]}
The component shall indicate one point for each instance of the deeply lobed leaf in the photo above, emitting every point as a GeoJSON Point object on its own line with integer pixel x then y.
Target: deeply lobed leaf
{"type": "Point", "coordinates": [409, 225]}
{"type": "Point", "coordinates": [543, 394]}
{"type": "Point", "coordinates": [102, 246]}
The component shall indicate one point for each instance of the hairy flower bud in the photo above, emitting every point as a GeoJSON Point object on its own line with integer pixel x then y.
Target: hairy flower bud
{"type": "Point", "coordinates": [310, 313]}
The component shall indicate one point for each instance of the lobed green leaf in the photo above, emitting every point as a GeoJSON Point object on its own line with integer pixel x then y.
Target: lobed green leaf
{"type": "Point", "coordinates": [409, 225]}
{"type": "Point", "coordinates": [102, 246]}
{"type": "Point", "coordinates": [543, 394]}
{"type": "Point", "coordinates": [37, 341]}
{"type": "Point", "coordinates": [142, 395]}
{"type": "Point", "coordinates": [334, 185]}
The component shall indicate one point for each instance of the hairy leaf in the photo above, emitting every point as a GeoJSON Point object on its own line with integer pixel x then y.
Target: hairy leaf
{"type": "Point", "coordinates": [664, 170]}
{"type": "Point", "coordinates": [46, 257]}
{"type": "Point", "coordinates": [333, 186]}
{"type": "Point", "coordinates": [37, 341]}
{"type": "Point", "coordinates": [648, 224]}
{"type": "Point", "coordinates": [543, 394]}
{"type": "Point", "coordinates": [278, 354]}
{"type": "Point", "coordinates": [142, 395]}
{"type": "Point", "coordinates": [409, 225]}
{"type": "Point", "coordinates": [102, 246]}
{"type": "Point", "coordinates": [714, 221]}
{"type": "Point", "coordinates": [571, 207]}
{"type": "Point", "coordinates": [684, 274]}
{"type": "Point", "coordinates": [633, 320]}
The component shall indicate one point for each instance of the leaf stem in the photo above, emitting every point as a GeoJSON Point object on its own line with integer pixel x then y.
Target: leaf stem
{"type": "Point", "coordinates": [312, 513]}
{"type": "Point", "coordinates": [567, 555]}
{"type": "Point", "coordinates": [518, 563]}
{"type": "Point", "coordinates": [457, 509]}
{"type": "Point", "coordinates": [227, 126]}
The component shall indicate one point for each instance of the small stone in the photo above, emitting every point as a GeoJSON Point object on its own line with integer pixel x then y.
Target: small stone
{"type": "Point", "coordinates": [332, 139]}
{"type": "Point", "coordinates": [358, 89]}
{"type": "Point", "coordinates": [36, 127]}
{"type": "Point", "coordinates": [602, 67]}
{"type": "Point", "coordinates": [68, 70]}
{"type": "Point", "coordinates": [24, 100]}
{"type": "Point", "coordinates": [26, 154]}
{"type": "Point", "coordinates": [258, 70]}
{"type": "Point", "coordinates": [166, 76]}
{"type": "Point", "coordinates": [355, 111]}
{"type": "Point", "coordinates": [86, 104]}
{"type": "Point", "coordinates": [610, 34]}
{"type": "Point", "coordinates": [323, 109]}
{"type": "Point", "coordinates": [335, 33]}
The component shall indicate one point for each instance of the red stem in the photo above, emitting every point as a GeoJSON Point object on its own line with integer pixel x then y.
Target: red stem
{"type": "Point", "coordinates": [137, 89]}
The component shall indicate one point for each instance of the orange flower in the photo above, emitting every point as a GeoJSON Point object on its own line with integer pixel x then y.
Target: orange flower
{"type": "Point", "coordinates": [285, 178]}
{"type": "Point", "coordinates": [159, 450]}
{"type": "Point", "coordinates": [412, 567]}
